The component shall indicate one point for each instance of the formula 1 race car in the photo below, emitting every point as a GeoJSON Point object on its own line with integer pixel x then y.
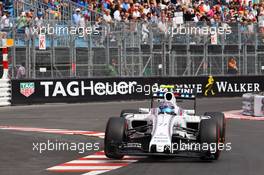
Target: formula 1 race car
{"type": "Point", "coordinates": [165, 129]}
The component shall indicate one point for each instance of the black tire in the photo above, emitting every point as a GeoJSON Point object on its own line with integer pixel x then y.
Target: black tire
{"type": "Point", "coordinates": [114, 136]}
{"type": "Point", "coordinates": [210, 135]}
{"type": "Point", "coordinates": [219, 117]}
{"type": "Point", "coordinates": [128, 111]}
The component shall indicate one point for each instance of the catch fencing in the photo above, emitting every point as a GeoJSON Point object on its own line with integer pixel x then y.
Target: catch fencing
{"type": "Point", "coordinates": [134, 49]}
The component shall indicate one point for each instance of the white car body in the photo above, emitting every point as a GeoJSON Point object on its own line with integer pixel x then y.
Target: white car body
{"type": "Point", "coordinates": [163, 124]}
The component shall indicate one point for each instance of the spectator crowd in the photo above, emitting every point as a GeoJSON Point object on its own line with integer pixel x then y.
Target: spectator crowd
{"type": "Point", "coordinates": [245, 12]}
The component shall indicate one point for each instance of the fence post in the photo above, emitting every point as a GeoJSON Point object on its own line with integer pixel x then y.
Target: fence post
{"type": "Point", "coordinates": [52, 55]}
{"type": "Point", "coordinates": [13, 53]}
{"type": "Point", "coordinates": [33, 64]}
{"type": "Point", "coordinates": [151, 49]}
{"type": "Point", "coordinates": [28, 59]}
{"type": "Point", "coordinates": [256, 48]}
{"type": "Point", "coordinates": [107, 55]}
{"type": "Point", "coordinates": [240, 48]}
{"type": "Point", "coordinates": [90, 56]}
{"type": "Point", "coordinates": [189, 61]}
{"type": "Point", "coordinates": [163, 61]}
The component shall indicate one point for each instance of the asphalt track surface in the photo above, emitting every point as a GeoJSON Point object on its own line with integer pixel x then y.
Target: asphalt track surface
{"type": "Point", "coordinates": [17, 156]}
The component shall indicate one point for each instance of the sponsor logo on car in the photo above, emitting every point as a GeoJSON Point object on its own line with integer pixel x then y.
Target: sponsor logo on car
{"type": "Point", "coordinates": [27, 89]}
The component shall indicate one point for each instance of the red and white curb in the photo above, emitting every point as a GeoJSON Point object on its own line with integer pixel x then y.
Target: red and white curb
{"type": "Point", "coordinates": [90, 165]}
{"type": "Point", "coordinates": [237, 114]}
{"type": "Point", "coordinates": [94, 164]}
{"type": "Point", "coordinates": [55, 131]}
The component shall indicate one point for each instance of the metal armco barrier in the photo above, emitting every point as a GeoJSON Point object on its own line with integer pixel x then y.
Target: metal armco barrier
{"type": "Point", "coordinates": [5, 92]}
{"type": "Point", "coordinates": [30, 91]}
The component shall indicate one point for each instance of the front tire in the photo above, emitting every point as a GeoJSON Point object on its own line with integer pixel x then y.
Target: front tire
{"type": "Point", "coordinates": [114, 136]}
{"type": "Point", "coordinates": [219, 117]}
{"type": "Point", "coordinates": [210, 135]}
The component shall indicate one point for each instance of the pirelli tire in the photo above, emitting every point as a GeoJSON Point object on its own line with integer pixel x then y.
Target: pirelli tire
{"type": "Point", "coordinates": [114, 136]}
{"type": "Point", "coordinates": [124, 112]}
{"type": "Point", "coordinates": [219, 117]}
{"type": "Point", "coordinates": [209, 136]}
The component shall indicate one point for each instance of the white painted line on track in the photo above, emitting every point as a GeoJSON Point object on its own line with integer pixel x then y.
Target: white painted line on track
{"type": "Point", "coordinates": [96, 172]}
{"type": "Point", "coordinates": [104, 157]}
{"type": "Point", "coordinates": [55, 131]}
{"type": "Point", "coordinates": [101, 161]}
{"type": "Point", "coordinates": [67, 168]}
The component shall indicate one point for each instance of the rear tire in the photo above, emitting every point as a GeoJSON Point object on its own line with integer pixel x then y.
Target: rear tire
{"type": "Point", "coordinates": [219, 117]}
{"type": "Point", "coordinates": [125, 112]}
{"type": "Point", "coordinates": [209, 135]}
{"type": "Point", "coordinates": [114, 136]}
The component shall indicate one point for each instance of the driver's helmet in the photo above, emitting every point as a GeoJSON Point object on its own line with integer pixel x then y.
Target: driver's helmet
{"type": "Point", "coordinates": [166, 107]}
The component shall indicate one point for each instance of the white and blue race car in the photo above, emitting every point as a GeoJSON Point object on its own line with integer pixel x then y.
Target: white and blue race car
{"type": "Point", "coordinates": [165, 129]}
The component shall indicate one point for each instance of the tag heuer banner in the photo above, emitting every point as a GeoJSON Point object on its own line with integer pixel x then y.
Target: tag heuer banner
{"type": "Point", "coordinates": [107, 89]}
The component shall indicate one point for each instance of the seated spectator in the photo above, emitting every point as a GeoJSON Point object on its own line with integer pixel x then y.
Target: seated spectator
{"type": "Point", "coordinates": [145, 32]}
{"type": "Point", "coordinates": [188, 14]}
{"type": "Point", "coordinates": [106, 4]}
{"type": "Point", "coordinates": [76, 17]}
{"type": "Point", "coordinates": [22, 22]}
{"type": "Point", "coordinates": [39, 20]}
{"type": "Point", "coordinates": [125, 5]}
{"type": "Point", "coordinates": [107, 17]}
{"type": "Point", "coordinates": [82, 3]}
{"type": "Point", "coordinates": [146, 9]}
{"type": "Point", "coordinates": [5, 22]}
{"type": "Point", "coordinates": [136, 13]}
{"type": "Point", "coordinates": [117, 14]}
